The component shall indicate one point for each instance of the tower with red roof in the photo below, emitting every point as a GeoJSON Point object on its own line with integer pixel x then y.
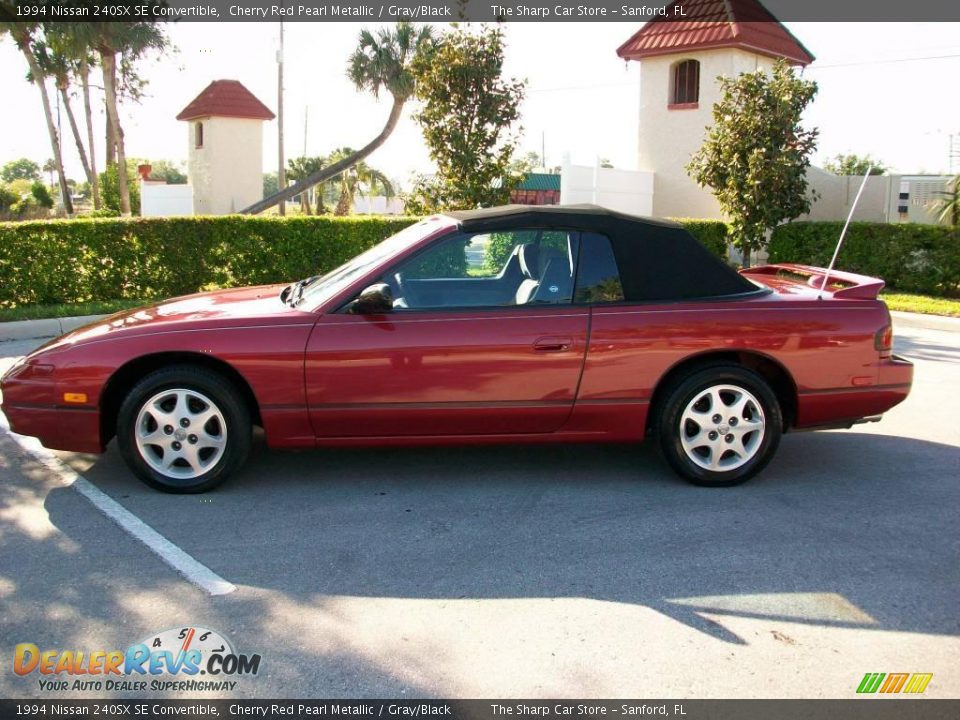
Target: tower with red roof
{"type": "Point", "coordinates": [225, 158]}
{"type": "Point", "coordinates": [680, 56]}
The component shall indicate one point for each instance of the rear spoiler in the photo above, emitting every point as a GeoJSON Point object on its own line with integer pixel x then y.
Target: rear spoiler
{"type": "Point", "coordinates": [840, 284]}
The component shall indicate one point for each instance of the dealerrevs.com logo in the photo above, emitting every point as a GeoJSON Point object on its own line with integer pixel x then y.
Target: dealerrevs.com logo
{"type": "Point", "coordinates": [182, 659]}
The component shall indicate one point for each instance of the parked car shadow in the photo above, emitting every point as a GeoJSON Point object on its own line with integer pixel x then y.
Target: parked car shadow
{"type": "Point", "coordinates": [846, 529]}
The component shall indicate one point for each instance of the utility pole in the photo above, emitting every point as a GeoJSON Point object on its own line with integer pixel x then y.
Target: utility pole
{"type": "Point", "coordinates": [281, 172]}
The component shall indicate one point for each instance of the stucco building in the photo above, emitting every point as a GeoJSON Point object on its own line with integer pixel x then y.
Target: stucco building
{"type": "Point", "coordinates": [225, 147]}
{"type": "Point", "coordinates": [680, 59]}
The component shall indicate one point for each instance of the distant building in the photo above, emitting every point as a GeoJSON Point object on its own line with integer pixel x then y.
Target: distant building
{"type": "Point", "coordinates": [225, 157]}
{"type": "Point", "coordinates": [537, 189]}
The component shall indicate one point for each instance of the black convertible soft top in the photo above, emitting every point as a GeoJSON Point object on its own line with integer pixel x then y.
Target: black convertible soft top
{"type": "Point", "coordinates": [658, 259]}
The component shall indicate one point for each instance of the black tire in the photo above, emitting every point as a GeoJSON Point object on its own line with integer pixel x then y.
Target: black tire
{"type": "Point", "coordinates": [716, 454]}
{"type": "Point", "coordinates": [216, 448]}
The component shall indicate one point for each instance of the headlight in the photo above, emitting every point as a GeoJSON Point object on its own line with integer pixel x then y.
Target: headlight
{"type": "Point", "coordinates": [23, 369]}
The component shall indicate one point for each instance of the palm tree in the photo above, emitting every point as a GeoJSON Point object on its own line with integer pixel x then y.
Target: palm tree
{"type": "Point", "coordinates": [298, 169]}
{"type": "Point", "coordinates": [49, 167]}
{"type": "Point", "coordinates": [131, 39]}
{"type": "Point", "coordinates": [24, 35]}
{"type": "Point", "coordinates": [56, 65]}
{"type": "Point", "coordinates": [358, 177]}
{"type": "Point", "coordinates": [380, 62]}
{"type": "Point", "coordinates": [949, 204]}
{"type": "Point", "coordinates": [73, 42]}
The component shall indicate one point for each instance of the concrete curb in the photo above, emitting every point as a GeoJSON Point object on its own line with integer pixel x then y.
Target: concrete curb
{"type": "Point", "coordinates": [39, 329]}
{"type": "Point", "coordinates": [926, 322]}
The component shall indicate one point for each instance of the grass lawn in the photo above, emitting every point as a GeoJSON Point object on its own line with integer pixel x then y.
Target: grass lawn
{"type": "Point", "coordinates": [908, 302]}
{"type": "Point", "coordinates": [38, 312]}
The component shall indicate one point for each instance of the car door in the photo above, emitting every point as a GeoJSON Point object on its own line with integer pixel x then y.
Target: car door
{"type": "Point", "coordinates": [483, 340]}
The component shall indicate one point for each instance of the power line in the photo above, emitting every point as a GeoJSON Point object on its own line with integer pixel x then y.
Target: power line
{"type": "Point", "coordinates": [881, 62]}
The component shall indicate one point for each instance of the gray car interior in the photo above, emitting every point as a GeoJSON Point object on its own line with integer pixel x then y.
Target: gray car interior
{"type": "Point", "coordinates": [533, 274]}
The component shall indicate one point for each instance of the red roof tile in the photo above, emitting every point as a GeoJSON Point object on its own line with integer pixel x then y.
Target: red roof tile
{"type": "Point", "coordinates": [710, 24]}
{"type": "Point", "coordinates": [226, 98]}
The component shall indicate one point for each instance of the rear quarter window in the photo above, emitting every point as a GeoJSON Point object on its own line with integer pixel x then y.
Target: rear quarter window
{"type": "Point", "coordinates": [598, 278]}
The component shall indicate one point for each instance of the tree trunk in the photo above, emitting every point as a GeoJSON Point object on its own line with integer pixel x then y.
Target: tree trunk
{"type": "Point", "coordinates": [23, 42]}
{"type": "Point", "coordinates": [108, 62]}
{"type": "Point", "coordinates": [88, 113]}
{"type": "Point", "coordinates": [65, 96]}
{"type": "Point", "coordinates": [110, 151]}
{"type": "Point", "coordinates": [330, 171]}
{"type": "Point", "coordinates": [745, 253]}
{"type": "Point", "coordinates": [320, 207]}
{"type": "Point", "coordinates": [345, 203]}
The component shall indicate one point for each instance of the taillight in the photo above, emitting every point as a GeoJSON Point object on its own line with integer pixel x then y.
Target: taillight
{"type": "Point", "coordinates": [883, 341]}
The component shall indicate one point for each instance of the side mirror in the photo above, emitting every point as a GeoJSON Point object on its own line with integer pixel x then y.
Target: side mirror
{"type": "Point", "coordinates": [374, 300]}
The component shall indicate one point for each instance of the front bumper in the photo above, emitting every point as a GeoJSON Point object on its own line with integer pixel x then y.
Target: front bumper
{"type": "Point", "coordinates": [30, 406]}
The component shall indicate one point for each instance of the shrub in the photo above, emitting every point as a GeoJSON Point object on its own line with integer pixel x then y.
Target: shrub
{"type": "Point", "coordinates": [110, 188]}
{"type": "Point", "coordinates": [71, 261]}
{"type": "Point", "coordinates": [7, 198]}
{"type": "Point", "coordinates": [41, 194]}
{"type": "Point", "coordinates": [712, 234]}
{"type": "Point", "coordinates": [909, 257]}
{"type": "Point", "coordinates": [85, 259]}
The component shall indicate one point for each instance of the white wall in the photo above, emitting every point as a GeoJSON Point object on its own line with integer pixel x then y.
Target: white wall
{"type": "Point", "coordinates": [227, 172]}
{"type": "Point", "coordinates": [161, 200]}
{"type": "Point", "coordinates": [378, 205]}
{"type": "Point", "coordinates": [880, 200]}
{"type": "Point", "coordinates": [628, 191]}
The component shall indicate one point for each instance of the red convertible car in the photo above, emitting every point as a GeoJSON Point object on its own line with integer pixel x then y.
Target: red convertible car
{"type": "Point", "coordinates": [515, 324]}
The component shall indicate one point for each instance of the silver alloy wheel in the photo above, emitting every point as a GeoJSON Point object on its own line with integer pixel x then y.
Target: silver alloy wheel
{"type": "Point", "coordinates": [180, 433]}
{"type": "Point", "coordinates": [722, 428]}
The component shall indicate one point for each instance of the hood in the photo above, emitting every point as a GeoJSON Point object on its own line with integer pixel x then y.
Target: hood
{"type": "Point", "coordinates": [209, 310]}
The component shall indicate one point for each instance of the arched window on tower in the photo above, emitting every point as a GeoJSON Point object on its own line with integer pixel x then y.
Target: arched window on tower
{"type": "Point", "coordinates": [685, 83]}
{"type": "Point", "coordinates": [198, 135]}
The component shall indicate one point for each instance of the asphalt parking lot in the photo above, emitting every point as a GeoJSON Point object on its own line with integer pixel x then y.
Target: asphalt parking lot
{"type": "Point", "coordinates": [579, 571]}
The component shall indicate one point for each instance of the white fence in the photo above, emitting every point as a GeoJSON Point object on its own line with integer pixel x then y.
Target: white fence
{"type": "Point", "coordinates": [162, 200]}
{"type": "Point", "coordinates": [628, 191]}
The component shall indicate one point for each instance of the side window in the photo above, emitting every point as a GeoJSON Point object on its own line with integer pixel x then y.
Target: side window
{"type": "Point", "coordinates": [496, 269]}
{"type": "Point", "coordinates": [598, 279]}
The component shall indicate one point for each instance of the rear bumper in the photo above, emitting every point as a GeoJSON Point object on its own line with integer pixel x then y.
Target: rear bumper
{"type": "Point", "coordinates": [846, 406]}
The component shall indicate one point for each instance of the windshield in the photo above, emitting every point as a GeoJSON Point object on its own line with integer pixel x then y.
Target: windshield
{"type": "Point", "coordinates": [322, 289]}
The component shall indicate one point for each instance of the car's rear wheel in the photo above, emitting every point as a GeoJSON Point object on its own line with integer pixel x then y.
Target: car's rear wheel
{"type": "Point", "coordinates": [719, 426]}
{"type": "Point", "coordinates": [183, 429]}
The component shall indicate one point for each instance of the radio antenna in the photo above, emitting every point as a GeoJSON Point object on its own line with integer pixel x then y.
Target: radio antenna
{"type": "Point", "coordinates": [843, 233]}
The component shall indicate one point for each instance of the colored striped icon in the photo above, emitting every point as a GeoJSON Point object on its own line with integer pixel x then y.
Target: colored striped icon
{"type": "Point", "coordinates": [894, 683]}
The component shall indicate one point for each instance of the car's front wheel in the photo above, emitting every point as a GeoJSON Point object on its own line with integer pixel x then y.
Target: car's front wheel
{"type": "Point", "coordinates": [719, 426]}
{"type": "Point", "coordinates": [183, 429]}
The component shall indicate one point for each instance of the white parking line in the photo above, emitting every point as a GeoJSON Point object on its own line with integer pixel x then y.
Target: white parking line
{"type": "Point", "coordinates": [194, 571]}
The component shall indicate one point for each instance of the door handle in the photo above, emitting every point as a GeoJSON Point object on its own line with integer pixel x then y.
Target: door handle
{"type": "Point", "coordinates": [552, 344]}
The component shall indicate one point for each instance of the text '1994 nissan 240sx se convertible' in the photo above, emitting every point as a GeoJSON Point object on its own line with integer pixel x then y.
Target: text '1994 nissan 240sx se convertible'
{"type": "Point", "coordinates": [514, 324]}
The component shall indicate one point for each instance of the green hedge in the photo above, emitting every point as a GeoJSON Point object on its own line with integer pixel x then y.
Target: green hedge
{"type": "Point", "coordinates": [713, 234]}
{"type": "Point", "coordinates": [70, 261]}
{"type": "Point", "coordinates": [909, 257]}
